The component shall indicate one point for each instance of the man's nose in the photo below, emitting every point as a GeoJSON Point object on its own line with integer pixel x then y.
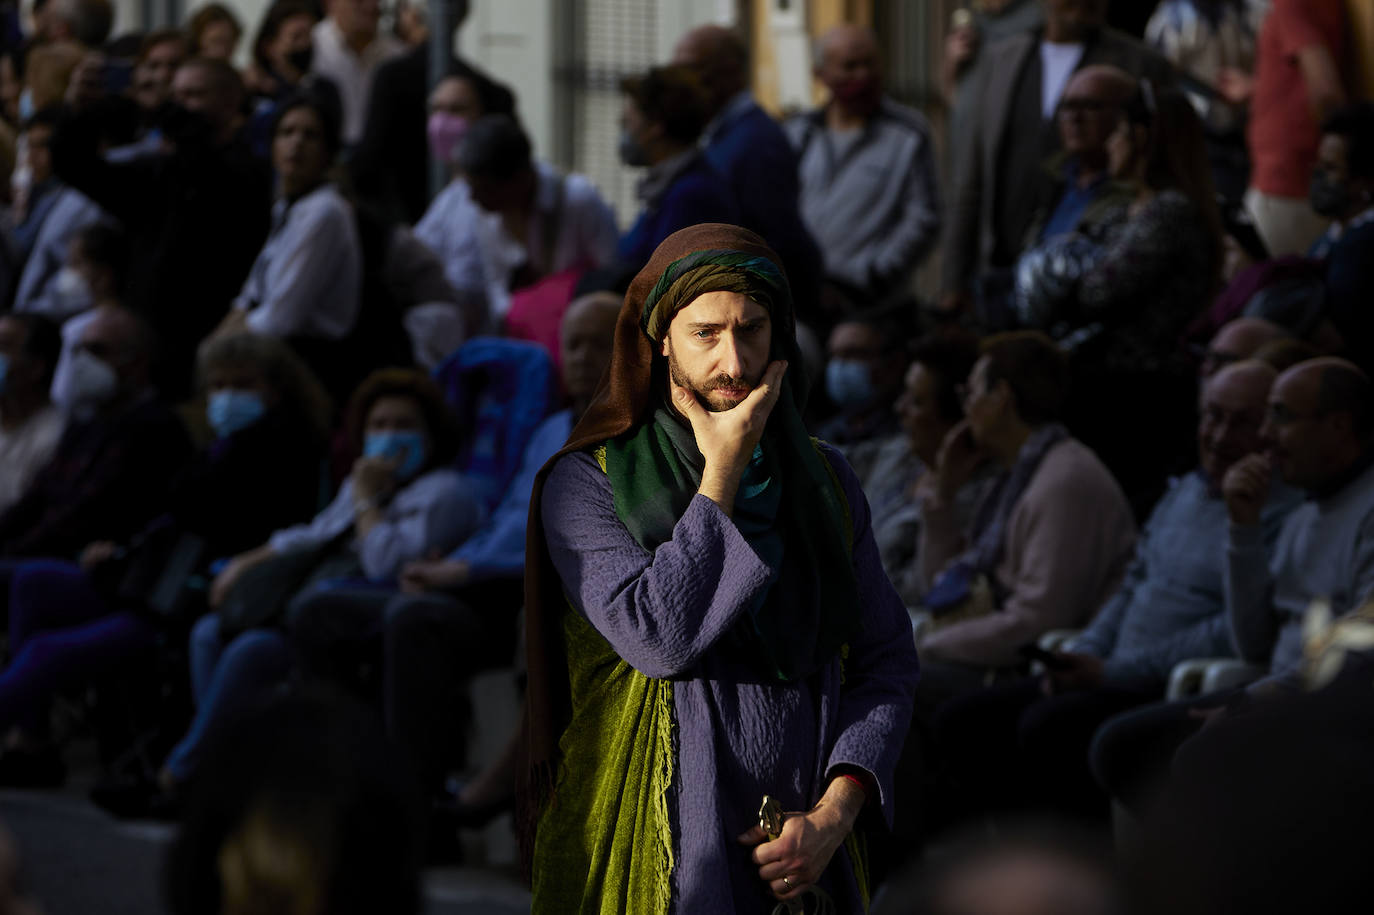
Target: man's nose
{"type": "Point", "coordinates": [731, 361]}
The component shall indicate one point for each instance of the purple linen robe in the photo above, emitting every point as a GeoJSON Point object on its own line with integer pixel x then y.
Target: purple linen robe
{"type": "Point", "coordinates": [738, 735]}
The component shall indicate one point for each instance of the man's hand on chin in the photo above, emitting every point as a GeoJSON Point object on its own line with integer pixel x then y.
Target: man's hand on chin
{"type": "Point", "coordinates": [727, 439]}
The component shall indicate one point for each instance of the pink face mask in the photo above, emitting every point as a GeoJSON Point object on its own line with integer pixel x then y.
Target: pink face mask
{"type": "Point", "coordinates": [445, 133]}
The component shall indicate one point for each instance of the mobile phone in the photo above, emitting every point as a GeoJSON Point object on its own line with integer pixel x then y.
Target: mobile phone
{"type": "Point", "coordinates": [1033, 652]}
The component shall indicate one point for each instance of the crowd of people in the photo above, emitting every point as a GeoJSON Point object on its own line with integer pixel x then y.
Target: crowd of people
{"type": "Point", "coordinates": [276, 429]}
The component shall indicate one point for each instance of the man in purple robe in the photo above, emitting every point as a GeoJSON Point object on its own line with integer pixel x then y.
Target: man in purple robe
{"type": "Point", "coordinates": [708, 619]}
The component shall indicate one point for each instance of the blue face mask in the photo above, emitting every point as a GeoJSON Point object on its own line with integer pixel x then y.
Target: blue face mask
{"type": "Point", "coordinates": [230, 410]}
{"type": "Point", "coordinates": [849, 383]}
{"type": "Point", "coordinates": [406, 447]}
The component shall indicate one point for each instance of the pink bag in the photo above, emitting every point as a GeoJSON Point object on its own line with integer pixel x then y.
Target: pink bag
{"type": "Point", "coordinates": [537, 310]}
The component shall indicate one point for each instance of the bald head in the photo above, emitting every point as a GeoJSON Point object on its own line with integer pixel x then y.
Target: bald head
{"type": "Point", "coordinates": [847, 64]}
{"type": "Point", "coordinates": [1231, 414]}
{"type": "Point", "coordinates": [720, 59]}
{"type": "Point", "coordinates": [586, 338]}
{"type": "Point", "coordinates": [1321, 416]}
{"type": "Point", "coordinates": [1239, 339]}
{"type": "Point", "coordinates": [1090, 110]}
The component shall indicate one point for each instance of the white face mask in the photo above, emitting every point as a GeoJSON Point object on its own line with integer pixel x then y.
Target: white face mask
{"type": "Point", "coordinates": [71, 294]}
{"type": "Point", "coordinates": [21, 179]}
{"type": "Point", "coordinates": [88, 384]}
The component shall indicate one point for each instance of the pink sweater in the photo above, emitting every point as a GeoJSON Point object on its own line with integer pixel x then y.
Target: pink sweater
{"type": "Point", "coordinates": [1069, 538]}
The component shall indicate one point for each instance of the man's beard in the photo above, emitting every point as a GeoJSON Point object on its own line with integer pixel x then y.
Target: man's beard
{"type": "Point", "coordinates": [704, 394]}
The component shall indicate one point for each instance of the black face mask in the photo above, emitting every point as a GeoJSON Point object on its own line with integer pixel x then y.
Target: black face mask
{"type": "Point", "coordinates": [1328, 198]}
{"type": "Point", "coordinates": [185, 127]}
{"type": "Point", "coordinates": [302, 58]}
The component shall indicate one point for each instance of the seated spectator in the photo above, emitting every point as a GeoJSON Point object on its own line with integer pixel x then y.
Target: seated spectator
{"type": "Point", "coordinates": [660, 124]}
{"type": "Point", "coordinates": [97, 260]}
{"type": "Point", "coordinates": [1050, 539]}
{"type": "Point", "coordinates": [1343, 191]}
{"type": "Point", "coordinates": [867, 171]}
{"type": "Point", "coordinates": [305, 283]}
{"type": "Point", "coordinates": [209, 189]}
{"type": "Point", "coordinates": [1319, 436]}
{"type": "Point", "coordinates": [47, 214]}
{"type": "Point", "coordinates": [401, 502]}
{"type": "Point", "coordinates": [529, 223]}
{"type": "Point", "coordinates": [1239, 338]}
{"type": "Point", "coordinates": [30, 424]}
{"type": "Point", "coordinates": [72, 623]}
{"type": "Point", "coordinates": [214, 32]}
{"type": "Point", "coordinates": [1080, 199]}
{"type": "Point", "coordinates": [1026, 743]}
{"type": "Point", "coordinates": [454, 615]}
{"type": "Point", "coordinates": [115, 460]}
{"type": "Point", "coordinates": [929, 407]}
{"type": "Point", "coordinates": [866, 362]}
{"type": "Point", "coordinates": [1154, 273]}
{"type": "Point", "coordinates": [303, 809]}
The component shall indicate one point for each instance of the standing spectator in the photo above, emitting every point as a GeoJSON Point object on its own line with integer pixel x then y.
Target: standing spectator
{"type": "Point", "coordinates": [161, 53]}
{"type": "Point", "coordinates": [1049, 541]}
{"type": "Point", "coordinates": [283, 51]}
{"type": "Point", "coordinates": [1297, 85]}
{"type": "Point", "coordinates": [530, 222]}
{"type": "Point", "coordinates": [305, 283]}
{"type": "Point", "coordinates": [1011, 132]}
{"type": "Point", "coordinates": [30, 425]}
{"type": "Point", "coordinates": [214, 32]}
{"type": "Point", "coordinates": [348, 51]}
{"type": "Point", "coordinates": [51, 214]}
{"type": "Point", "coordinates": [111, 466]}
{"type": "Point", "coordinates": [980, 25]}
{"type": "Point", "coordinates": [208, 189]}
{"type": "Point", "coordinates": [867, 170]}
{"type": "Point", "coordinates": [749, 150]}
{"type": "Point", "coordinates": [660, 124]}
{"type": "Point", "coordinates": [389, 166]}
{"type": "Point", "coordinates": [1343, 191]}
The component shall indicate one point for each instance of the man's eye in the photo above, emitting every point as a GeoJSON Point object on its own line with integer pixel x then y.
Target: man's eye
{"type": "Point", "coordinates": [703, 334]}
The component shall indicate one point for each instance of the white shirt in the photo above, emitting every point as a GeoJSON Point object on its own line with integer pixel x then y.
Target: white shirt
{"type": "Point", "coordinates": [307, 277]}
{"type": "Point", "coordinates": [26, 450]}
{"type": "Point", "coordinates": [432, 513]}
{"type": "Point", "coordinates": [1057, 63]}
{"type": "Point", "coordinates": [478, 255]}
{"type": "Point", "coordinates": [350, 72]}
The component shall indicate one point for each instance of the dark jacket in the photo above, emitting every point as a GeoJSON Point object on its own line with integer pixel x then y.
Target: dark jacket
{"type": "Point", "coordinates": [752, 154]}
{"type": "Point", "coordinates": [698, 194]}
{"type": "Point", "coordinates": [196, 220]}
{"type": "Point", "coordinates": [108, 477]}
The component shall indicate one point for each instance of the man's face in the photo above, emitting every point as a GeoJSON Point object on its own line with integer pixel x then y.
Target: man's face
{"type": "Point", "coordinates": [718, 347]}
{"type": "Point", "coordinates": [153, 77]}
{"type": "Point", "coordinates": [1076, 18]}
{"type": "Point", "coordinates": [194, 89]}
{"type": "Point", "coordinates": [850, 68]}
{"type": "Point", "coordinates": [1087, 115]}
{"type": "Point", "coordinates": [1303, 440]}
{"type": "Point", "coordinates": [585, 342]}
{"type": "Point", "coordinates": [985, 403]}
{"type": "Point", "coordinates": [1230, 416]}
{"type": "Point", "coordinates": [455, 96]}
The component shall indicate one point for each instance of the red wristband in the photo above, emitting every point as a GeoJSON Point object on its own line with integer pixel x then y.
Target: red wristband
{"type": "Point", "coordinates": [858, 781]}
